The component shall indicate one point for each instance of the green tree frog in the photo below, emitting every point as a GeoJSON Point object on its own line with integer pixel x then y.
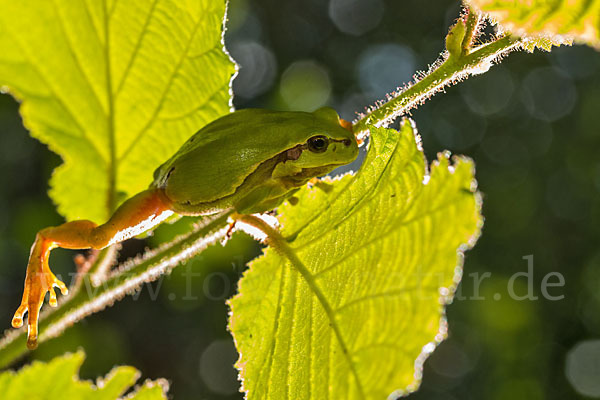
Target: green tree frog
{"type": "Point", "coordinates": [248, 161]}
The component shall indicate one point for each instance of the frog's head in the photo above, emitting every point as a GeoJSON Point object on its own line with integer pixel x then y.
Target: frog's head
{"type": "Point", "coordinates": [330, 143]}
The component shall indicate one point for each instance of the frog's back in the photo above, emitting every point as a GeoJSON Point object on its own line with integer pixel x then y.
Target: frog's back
{"type": "Point", "coordinates": [214, 162]}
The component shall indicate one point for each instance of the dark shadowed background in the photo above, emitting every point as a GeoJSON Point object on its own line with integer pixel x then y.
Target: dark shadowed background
{"type": "Point", "coordinates": [532, 125]}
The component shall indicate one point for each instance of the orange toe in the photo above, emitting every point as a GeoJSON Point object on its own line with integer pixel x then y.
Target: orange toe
{"type": "Point", "coordinates": [36, 287]}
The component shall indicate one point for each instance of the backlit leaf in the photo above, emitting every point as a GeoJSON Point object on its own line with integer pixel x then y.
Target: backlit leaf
{"type": "Point", "coordinates": [113, 87]}
{"type": "Point", "coordinates": [383, 253]}
{"type": "Point", "coordinates": [546, 23]}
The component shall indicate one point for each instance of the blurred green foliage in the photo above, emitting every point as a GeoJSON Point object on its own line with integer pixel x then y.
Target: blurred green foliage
{"type": "Point", "coordinates": [59, 378]}
{"type": "Point", "coordinates": [531, 124]}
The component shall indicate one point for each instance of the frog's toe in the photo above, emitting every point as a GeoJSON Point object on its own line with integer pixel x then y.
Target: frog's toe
{"type": "Point", "coordinates": [33, 312]}
{"type": "Point", "coordinates": [32, 337]}
{"type": "Point", "coordinates": [293, 200]}
{"type": "Point", "coordinates": [17, 320]}
{"type": "Point", "coordinates": [30, 307]}
{"type": "Point", "coordinates": [55, 282]}
{"type": "Point", "coordinates": [52, 301]}
{"type": "Point", "coordinates": [61, 285]}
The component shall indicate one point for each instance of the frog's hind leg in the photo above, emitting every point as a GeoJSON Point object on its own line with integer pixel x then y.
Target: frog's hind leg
{"type": "Point", "coordinates": [136, 215]}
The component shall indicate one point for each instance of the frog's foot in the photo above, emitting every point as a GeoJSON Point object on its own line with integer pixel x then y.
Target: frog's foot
{"type": "Point", "coordinates": [230, 229]}
{"type": "Point", "coordinates": [38, 281]}
{"type": "Point", "coordinates": [322, 184]}
{"type": "Point", "coordinates": [134, 216]}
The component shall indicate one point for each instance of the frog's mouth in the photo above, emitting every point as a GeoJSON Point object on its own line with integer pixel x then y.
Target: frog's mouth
{"type": "Point", "coordinates": [307, 174]}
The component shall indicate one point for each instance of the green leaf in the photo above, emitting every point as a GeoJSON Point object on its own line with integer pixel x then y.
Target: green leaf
{"type": "Point", "coordinates": [546, 23]}
{"type": "Point", "coordinates": [376, 258]}
{"type": "Point", "coordinates": [114, 87]}
{"type": "Point", "coordinates": [58, 379]}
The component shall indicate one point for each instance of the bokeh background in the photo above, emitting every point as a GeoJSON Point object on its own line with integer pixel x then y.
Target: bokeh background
{"type": "Point", "coordinates": [532, 124]}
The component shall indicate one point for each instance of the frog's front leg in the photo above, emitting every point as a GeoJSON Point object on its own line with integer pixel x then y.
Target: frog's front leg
{"type": "Point", "coordinates": [136, 215]}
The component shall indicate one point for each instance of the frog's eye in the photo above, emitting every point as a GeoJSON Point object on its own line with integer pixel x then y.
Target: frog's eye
{"type": "Point", "coordinates": [318, 144]}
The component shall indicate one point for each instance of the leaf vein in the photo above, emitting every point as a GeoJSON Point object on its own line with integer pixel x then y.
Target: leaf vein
{"type": "Point", "coordinates": [385, 345]}
{"type": "Point", "coordinates": [136, 49]}
{"type": "Point", "coordinates": [112, 163]}
{"type": "Point", "coordinates": [375, 239]}
{"type": "Point", "coordinates": [391, 293]}
{"type": "Point", "coordinates": [75, 56]}
{"type": "Point", "coordinates": [198, 108]}
{"type": "Point", "coordinates": [294, 297]}
{"type": "Point", "coordinates": [279, 243]}
{"type": "Point", "coordinates": [165, 92]}
{"type": "Point", "coordinates": [281, 246]}
{"type": "Point", "coordinates": [269, 362]}
{"type": "Point", "coordinates": [310, 348]}
{"type": "Point", "coordinates": [89, 14]}
{"type": "Point", "coordinates": [112, 9]}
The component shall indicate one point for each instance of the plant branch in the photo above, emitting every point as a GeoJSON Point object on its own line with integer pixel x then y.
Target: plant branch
{"type": "Point", "coordinates": [455, 64]}
{"type": "Point", "coordinates": [90, 298]}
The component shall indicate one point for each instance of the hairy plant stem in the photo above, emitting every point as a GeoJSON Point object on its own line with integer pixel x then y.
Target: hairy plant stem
{"type": "Point", "coordinates": [87, 297]}
{"type": "Point", "coordinates": [452, 68]}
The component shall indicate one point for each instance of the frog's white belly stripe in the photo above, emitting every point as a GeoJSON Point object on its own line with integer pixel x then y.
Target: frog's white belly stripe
{"type": "Point", "coordinates": [142, 227]}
